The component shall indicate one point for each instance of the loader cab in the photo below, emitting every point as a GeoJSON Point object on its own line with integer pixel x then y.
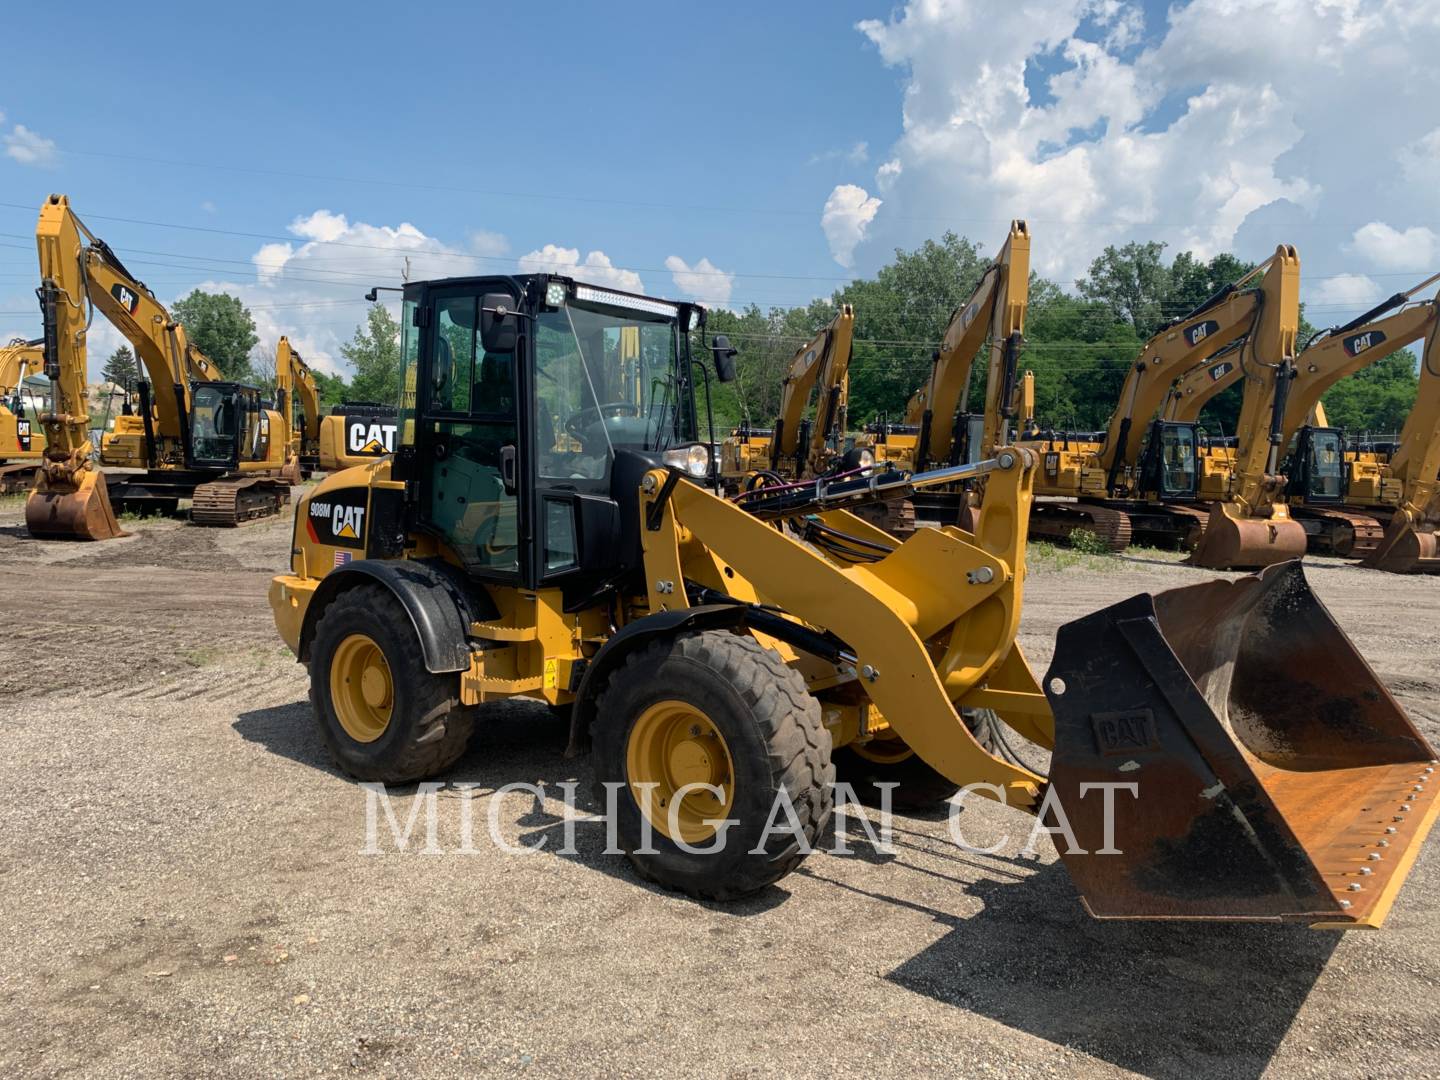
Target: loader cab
{"type": "Point", "coordinates": [229, 426]}
{"type": "Point", "coordinates": [1317, 467]}
{"type": "Point", "coordinates": [1169, 465]}
{"type": "Point", "coordinates": [530, 408]}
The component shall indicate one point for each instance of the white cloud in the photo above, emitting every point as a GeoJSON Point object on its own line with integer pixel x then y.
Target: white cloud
{"type": "Point", "coordinates": [857, 154]}
{"type": "Point", "coordinates": [29, 147]}
{"type": "Point", "coordinates": [1206, 139]}
{"type": "Point", "coordinates": [1391, 249]}
{"type": "Point", "coordinates": [208, 206]}
{"type": "Point", "coordinates": [1344, 290]}
{"type": "Point", "coordinates": [704, 281]}
{"type": "Point", "coordinates": [489, 244]}
{"type": "Point", "coordinates": [595, 269]}
{"type": "Point", "coordinates": [310, 289]}
{"type": "Point", "coordinates": [845, 219]}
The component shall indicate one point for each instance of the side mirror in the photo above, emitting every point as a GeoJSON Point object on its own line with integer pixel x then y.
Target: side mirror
{"type": "Point", "coordinates": [724, 354]}
{"type": "Point", "coordinates": [499, 323]}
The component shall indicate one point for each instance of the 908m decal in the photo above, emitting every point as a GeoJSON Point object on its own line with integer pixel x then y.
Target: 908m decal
{"type": "Point", "coordinates": [337, 518]}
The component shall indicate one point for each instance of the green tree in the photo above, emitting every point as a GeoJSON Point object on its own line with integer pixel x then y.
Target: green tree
{"type": "Point", "coordinates": [1133, 282]}
{"type": "Point", "coordinates": [121, 369]}
{"type": "Point", "coordinates": [222, 328]}
{"type": "Point", "coordinates": [374, 352]}
{"type": "Point", "coordinates": [332, 389]}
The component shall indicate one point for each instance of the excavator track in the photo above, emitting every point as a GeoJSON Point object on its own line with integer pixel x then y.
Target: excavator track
{"type": "Point", "coordinates": [230, 502]}
{"type": "Point", "coordinates": [17, 477]}
{"type": "Point", "coordinates": [1057, 520]}
{"type": "Point", "coordinates": [1347, 533]}
{"type": "Point", "coordinates": [895, 516]}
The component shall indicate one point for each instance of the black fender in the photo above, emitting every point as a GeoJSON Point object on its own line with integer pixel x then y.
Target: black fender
{"type": "Point", "coordinates": [440, 603]}
{"type": "Point", "coordinates": [633, 636]}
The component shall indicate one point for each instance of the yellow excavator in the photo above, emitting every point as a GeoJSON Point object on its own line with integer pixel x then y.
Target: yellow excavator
{"type": "Point", "coordinates": [21, 447]}
{"type": "Point", "coordinates": [1318, 481]}
{"type": "Point", "coordinates": [352, 433]}
{"type": "Point", "coordinates": [194, 436]}
{"type": "Point", "coordinates": [548, 528]}
{"type": "Point", "coordinates": [1143, 478]}
{"type": "Point", "coordinates": [938, 427]}
{"type": "Point", "coordinates": [797, 445]}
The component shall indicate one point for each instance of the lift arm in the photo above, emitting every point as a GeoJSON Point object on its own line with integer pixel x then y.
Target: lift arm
{"type": "Point", "coordinates": [822, 364]}
{"type": "Point", "coordinates": [995, 310]}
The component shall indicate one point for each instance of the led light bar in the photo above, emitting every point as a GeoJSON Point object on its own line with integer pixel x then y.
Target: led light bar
{"type": "Point", "coordinates": [591, 295]}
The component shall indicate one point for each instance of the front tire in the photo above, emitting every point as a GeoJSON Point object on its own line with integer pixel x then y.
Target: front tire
{"type": "Point", "coordinates": [719, 709]}
{"type": "Point", "coordinates": [383, 716]}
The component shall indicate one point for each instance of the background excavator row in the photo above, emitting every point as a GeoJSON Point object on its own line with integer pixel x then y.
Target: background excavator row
{"type": "Point", "coordinates": [1283, 483]}
{"type": "Point", "coordinates": [189, 435]}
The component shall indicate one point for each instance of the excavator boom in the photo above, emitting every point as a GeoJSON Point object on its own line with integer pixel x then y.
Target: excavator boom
{"type": "Point", "coordinates": [994, 311]}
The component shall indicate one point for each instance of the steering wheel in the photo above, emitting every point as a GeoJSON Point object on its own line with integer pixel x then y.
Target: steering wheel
{"type": "Point", "coordinates": [579, 423]}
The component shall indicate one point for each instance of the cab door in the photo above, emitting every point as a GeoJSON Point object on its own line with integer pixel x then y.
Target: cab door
{"type": "Point", "coordinates": [467, 440]}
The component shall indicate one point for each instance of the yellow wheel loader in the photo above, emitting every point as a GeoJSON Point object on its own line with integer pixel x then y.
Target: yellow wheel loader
{"type": "Point", "coordinates": [551, 527]}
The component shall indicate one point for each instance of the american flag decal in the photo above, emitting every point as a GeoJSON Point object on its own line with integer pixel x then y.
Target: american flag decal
{"type": "Point", "coordinates": [342, 557]}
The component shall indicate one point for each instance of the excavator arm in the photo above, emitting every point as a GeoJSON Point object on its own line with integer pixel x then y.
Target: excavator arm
{"type": "Point", "coordinates": [1344, 350]}
{"type": "Point", "coordinates": [295, 383]}
{"type": "Point", "coordinates": [1229, 315]}
{"type": "Point", "coordinates": [171, 362]}
{"type": "Point", "coordinates": [70, 498]}
{"type": "Point", "coordinates": [822, 364]}
{"type": "Point", "coordinates": [1253, 527]}
{"type": "Point", "coordinates": [1412, 539]}
{"type": "Point", "coordinates": [995, 310]}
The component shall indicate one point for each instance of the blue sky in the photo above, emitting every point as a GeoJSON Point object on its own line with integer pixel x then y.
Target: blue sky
{"type": "Point", "coordinates": [787, 145]}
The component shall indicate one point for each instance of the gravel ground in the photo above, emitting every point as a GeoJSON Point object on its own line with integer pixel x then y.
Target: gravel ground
{"type": "Point", "coordinates": [183, 890]}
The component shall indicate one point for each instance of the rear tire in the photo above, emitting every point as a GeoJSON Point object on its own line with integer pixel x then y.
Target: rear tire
{"type": "Point", "coordinates": [382, 714]}
{"type": "Point", "coordinates": [723, 710]}
{"type": "Point", "coordinates": [890, 761]}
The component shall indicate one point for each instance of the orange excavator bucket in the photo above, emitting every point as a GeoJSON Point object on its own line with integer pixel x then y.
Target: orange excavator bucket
{"type": "Point", "coordinates": [1272, 776]}
{"type": "Point", "coordinates": [72, 511]}
{"type": "Point", "coordinates": [1232, 542]}
{"type": "Point", "coordinates": [1408, 547]}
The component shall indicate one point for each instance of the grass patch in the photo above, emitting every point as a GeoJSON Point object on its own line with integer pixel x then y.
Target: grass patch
{"type": "Point", "coordinates": [250, 656]}
{"type": "Point", "coordinates": [1043, 555]}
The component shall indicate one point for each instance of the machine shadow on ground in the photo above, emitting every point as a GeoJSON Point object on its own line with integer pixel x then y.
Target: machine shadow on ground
{"type": "Point", "coordinates": [516, 741]}
{"type": "Point", "coordinates": [1167, 1000]}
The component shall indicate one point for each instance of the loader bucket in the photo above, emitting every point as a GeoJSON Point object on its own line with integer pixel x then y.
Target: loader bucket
{"type": "Point", "coordinates": [78, 511]}
{"type": "Point", "coordinates": [1274, 777]}
{"type": "Point", "coordinates": [1406, 548]}
{"type": "Point", "coordinates": [1231, 542]}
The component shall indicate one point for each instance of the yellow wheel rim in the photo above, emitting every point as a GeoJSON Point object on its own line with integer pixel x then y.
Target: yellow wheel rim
{"type": "Point", "coordinates": [674, 744]}
{"type": "Point", "coordinates": [883, 751]}
{"type": "Point", "coordinates": [361, 688]}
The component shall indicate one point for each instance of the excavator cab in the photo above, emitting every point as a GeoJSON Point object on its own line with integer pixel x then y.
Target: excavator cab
{"type": "Point", "coordinates": [228, 426]}
{"type": "Point", "coordinates": [1317, 471]}
{"type": "Point", "coordinates": [1169, 466]}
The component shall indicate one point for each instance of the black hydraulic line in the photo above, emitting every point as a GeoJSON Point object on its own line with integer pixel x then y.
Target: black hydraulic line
{"type": "Point", "coordinates": [848, 538]}
{"type": "Point", "coordinates": [1378, 310]}
{"type": "Point", "coordinates": [656, 513]}
{"type": "Point", "coordinates": [1012, 359]}
{"type": "Point", "coordinates": [823, 644]}
{"type": "Point", "coordinates": [142, 388]}
{"type": "Point", "coordinates": [184, 424]}
{"type": "Point", "coordinates": [1121, 438]}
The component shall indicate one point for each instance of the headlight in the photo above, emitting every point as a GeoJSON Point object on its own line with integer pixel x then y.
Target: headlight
{"type": "Point", "coordinates": [555, 295]}
{"type": "Point", "coordinates": [866, 459]}
{"type": "Point", "coordinates": [693, 460]}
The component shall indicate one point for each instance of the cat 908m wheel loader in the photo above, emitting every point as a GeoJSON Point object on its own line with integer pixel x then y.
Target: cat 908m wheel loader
{"type": "Point", "coordinates": [551, 527]}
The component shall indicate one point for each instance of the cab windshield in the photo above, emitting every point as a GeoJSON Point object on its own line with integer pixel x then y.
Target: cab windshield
{"type": "Point", "coordinates": [605, 379]}
{"type": "Point", "coordinates": [1177, 459]}
{"type": "Point", "coordinates": [1326, 466]}
{"type": "Point", "coordinates": [214, 425]}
